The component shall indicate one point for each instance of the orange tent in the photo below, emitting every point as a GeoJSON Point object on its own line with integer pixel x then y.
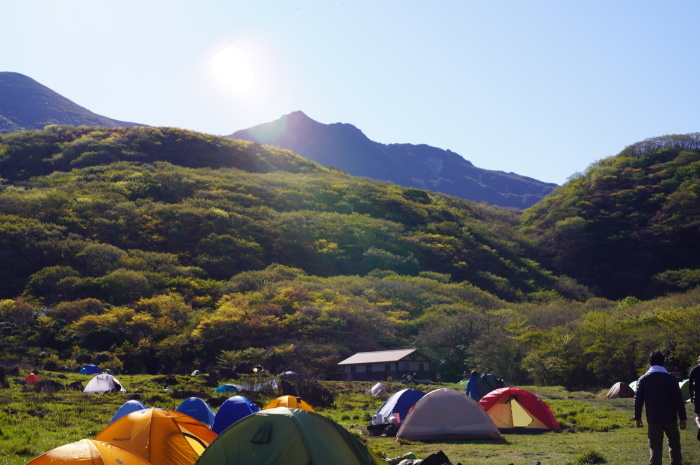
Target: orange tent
{"type": "Point", "coordinates": [31, 378]}
{"type": "Point", "coordinates": [88, 452]}
{"type": "Point", "coordinates": [289, 402]}
{"type": "Point", "coordinates": [163, 437]}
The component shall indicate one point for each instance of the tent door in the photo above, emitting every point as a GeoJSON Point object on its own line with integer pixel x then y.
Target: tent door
{"type": "Point", "coordinates": [501, 415]}
{"type": "Point", "coordinates": [523, 419]}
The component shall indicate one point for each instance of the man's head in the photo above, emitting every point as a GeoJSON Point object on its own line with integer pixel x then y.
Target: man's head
{"type": "Point", "coordinates": [656, 358]}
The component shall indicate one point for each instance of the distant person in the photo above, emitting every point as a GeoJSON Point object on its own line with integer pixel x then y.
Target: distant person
{"type": "Point", "coordinates": [473, 385]}
{"type": "Point", "coordinates": [693, 388]}
{"type": "Point", "coordinates": [659, 391]}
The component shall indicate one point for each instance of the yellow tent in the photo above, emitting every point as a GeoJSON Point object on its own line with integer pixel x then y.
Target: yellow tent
{"type": "Point", "coordinates": [88, 452]}
{"type": "Point", "coordinates": [163, 437]}
{"type": "Point", "coordinates": [289, 402]}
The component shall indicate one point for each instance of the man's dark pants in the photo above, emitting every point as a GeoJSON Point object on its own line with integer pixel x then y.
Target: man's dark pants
{"type": "Point", "coordinates": [655, 433]}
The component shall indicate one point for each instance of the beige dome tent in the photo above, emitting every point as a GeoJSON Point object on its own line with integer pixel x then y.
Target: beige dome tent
{"type": "Point", "coordinates": [618, 390]}
{"type": "Point", "coordinates": [447, 414]}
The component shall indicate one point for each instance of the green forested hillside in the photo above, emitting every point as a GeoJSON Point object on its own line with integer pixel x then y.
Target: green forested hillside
{"type": "Point", "coordinates": [630, 225]}
{"type": "Point", "coordinates": [94, 218]}
{"type": "Point", "coordinates": [156, 249]}
{"type": "Point", "coordinates": [76, 197]}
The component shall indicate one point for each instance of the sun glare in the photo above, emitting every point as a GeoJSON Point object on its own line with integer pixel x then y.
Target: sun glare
{"type": "Point", "coordinates": [234, 68]}
{"type": "Point", "coordinates": [247, 74]}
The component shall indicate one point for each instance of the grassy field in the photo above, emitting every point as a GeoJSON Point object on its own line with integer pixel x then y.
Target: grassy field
{"type": "Point", "coordinates": [594, 429]}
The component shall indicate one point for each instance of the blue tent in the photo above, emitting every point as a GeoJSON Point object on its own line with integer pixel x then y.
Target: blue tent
{"type": "Point", "coordinates": [90, 370]}
{"type": "Point", "coordinates": [399, 404]}
{"type": "Point", "coordinates": [231, 411]}
{"type": "Point", "coordinates": [228, 388]}
{"type": "Point", "coordinates": [127, 407]}
{"type": "Point", "coordinates": [197, 409]}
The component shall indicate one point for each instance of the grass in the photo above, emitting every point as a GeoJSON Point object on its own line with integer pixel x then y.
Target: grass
{"type": "Point", "coordinates": [594, 430]}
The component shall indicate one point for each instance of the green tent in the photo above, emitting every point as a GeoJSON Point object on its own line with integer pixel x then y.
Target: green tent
{"type": "Point", "coordinates": [284, 436]}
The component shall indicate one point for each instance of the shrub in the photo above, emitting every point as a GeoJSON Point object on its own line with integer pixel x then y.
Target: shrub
{"type": "Point", "coordinates": [591, 457]}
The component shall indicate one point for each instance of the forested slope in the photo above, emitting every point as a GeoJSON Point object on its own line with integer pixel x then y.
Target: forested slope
{"type": "Point", "coordinates": [227, 206]}
{"type": "Point", "coordinates": [113, 216]}
{"type": "Point", "coordinates": [163, 250]}
{"type": "Point", "coordinates": [630, 225]}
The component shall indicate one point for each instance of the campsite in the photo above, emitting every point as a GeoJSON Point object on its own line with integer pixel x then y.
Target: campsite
{"type": "Point", "coordinates": [594, 429]}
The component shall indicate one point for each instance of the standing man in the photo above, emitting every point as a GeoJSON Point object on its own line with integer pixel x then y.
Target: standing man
{"type": "Point", "coordinates": [694, 390]}
{"type": "Point", "coordinates": [473, 385]}
{"type": "Point", "coordinates": [659, 390]}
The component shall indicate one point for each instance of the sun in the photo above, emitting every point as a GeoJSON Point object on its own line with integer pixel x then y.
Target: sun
{"type": "Point", "coordinates": [234, 68]}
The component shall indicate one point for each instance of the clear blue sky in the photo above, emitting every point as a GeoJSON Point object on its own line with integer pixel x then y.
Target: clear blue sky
{"type": "Point", "coordinates": [542, 88]}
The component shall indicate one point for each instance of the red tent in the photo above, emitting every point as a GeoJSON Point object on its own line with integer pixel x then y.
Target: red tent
{"type": "Point", "coordinates": [514, 408]}
{"type": "Point", "coordinates": [31, 378]}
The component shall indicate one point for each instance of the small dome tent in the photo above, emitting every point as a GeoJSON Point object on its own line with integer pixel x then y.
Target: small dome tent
{"type": "Point", "coordinates": [88, 452]}
{"type": "Point", "coordinates": [127, 407]}
{"type": "Point", "coordinates": [227, 388]}
{"type": "Point", "coordinates": [283, 436]}
{"type": "Point", "coordinates": [619, 390]}
{"type": "Point", "coordinates": [377, 389]}
{"type": "Point", "coordinates": [162, 437]}
{"type": "Point", "coordinates": [31, 378]}
{"type": "Point", "coordinates": [397, 405]}
{"type": "Point", "coordinates": [197, 409]}
{"type": "Point", "coordinates": [289, 402]}
{"type": "Point", "coordinates": [446, 415]}
{"type": "Point", "coordinates": [232, 410]}
{"type": "Point", "coordinates": [513, 408]}
{"type": "Point", "coordinates": [103, 383]}
{"type": "Point", "coordinates": [90, 370]}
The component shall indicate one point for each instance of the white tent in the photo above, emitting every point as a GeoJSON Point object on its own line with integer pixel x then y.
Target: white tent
{"type": "Point", "coordinates": [102, 383]}
{"type": "Point", "coordinates": [447, 414]}
{"type": "Point", "coordinates": [377, 389]}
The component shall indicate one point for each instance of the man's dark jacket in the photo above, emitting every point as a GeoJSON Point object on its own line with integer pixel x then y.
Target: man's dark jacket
{"type": "Point", "coordinates": [662, 396]}
{"type": "Point", "coordinates": [694, 383]}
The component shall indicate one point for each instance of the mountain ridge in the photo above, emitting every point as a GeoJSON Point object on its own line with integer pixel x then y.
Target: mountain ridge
{"type": "Point", "coordinates": [26, 104]}
{"type": "Point", "coordinates": [422, 166]}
